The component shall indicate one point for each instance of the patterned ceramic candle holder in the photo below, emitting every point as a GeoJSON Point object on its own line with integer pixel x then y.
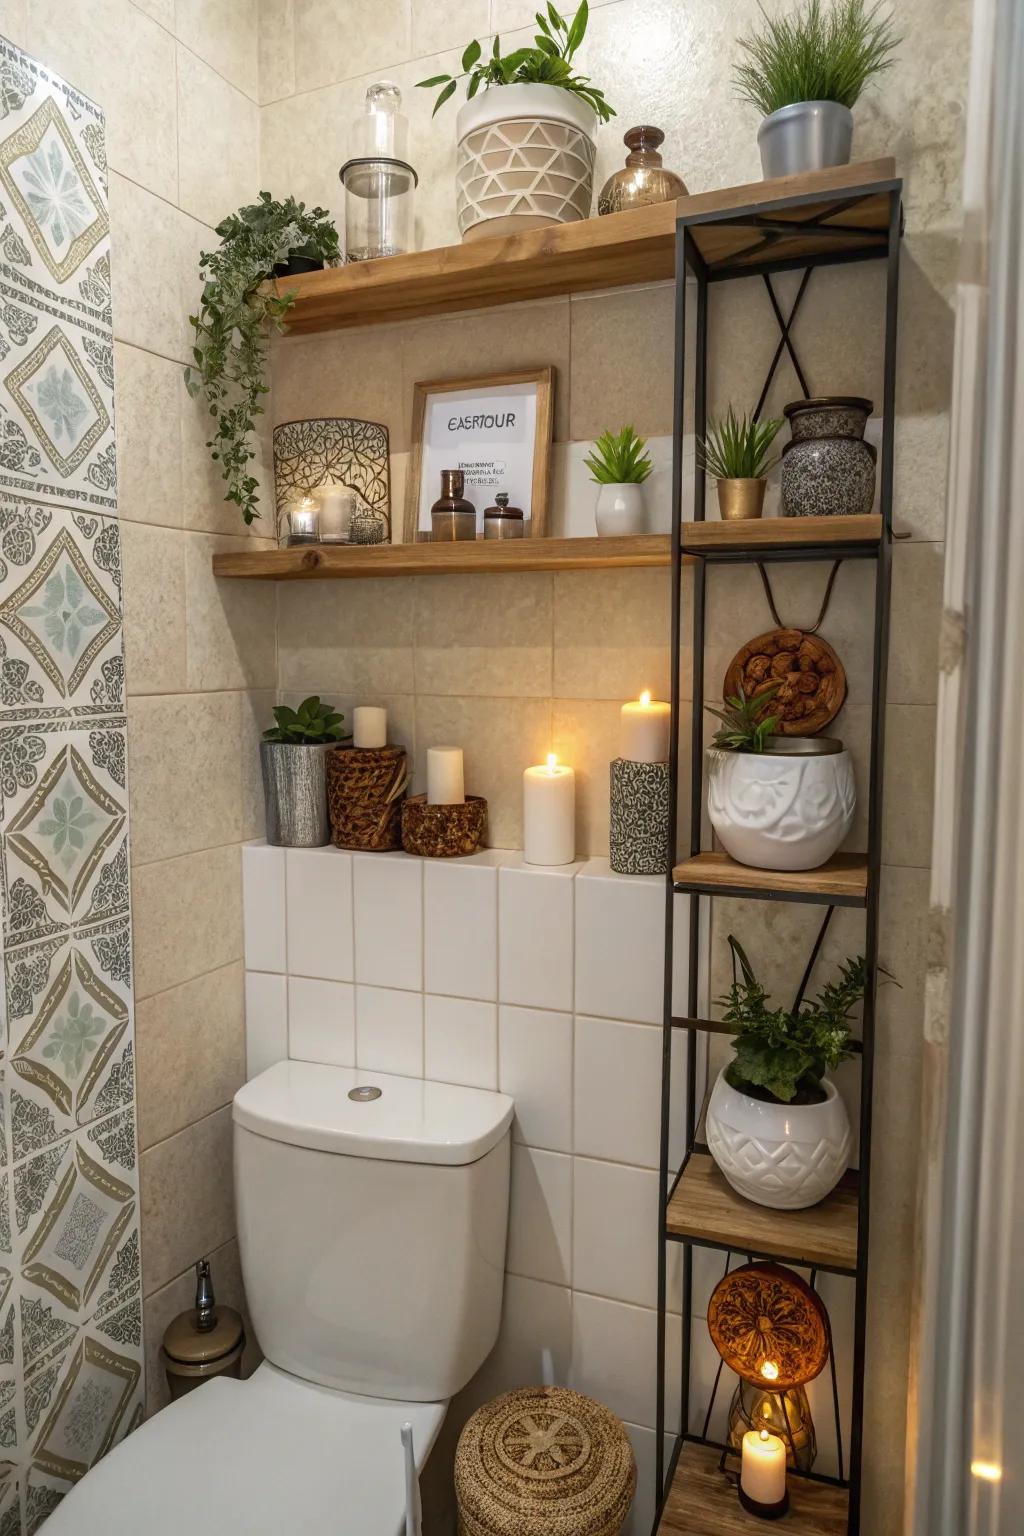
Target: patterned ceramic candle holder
{"type": "Point", "coordinates": [443, 831]}
{"type": "Point", "coordinates": [639, 817]}
{"type": "Point", "coordinates": [365, 790]}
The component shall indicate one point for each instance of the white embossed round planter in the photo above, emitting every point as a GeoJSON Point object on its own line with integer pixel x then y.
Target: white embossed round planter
{"type": "Point", "coordinates": [787, 1156]}
{"type": "Point", "coordinates": [620, 510]}
{"type": "Point", "coordinates": [525, 159]}
{"type": "Point", "coordinates": [781, 810]}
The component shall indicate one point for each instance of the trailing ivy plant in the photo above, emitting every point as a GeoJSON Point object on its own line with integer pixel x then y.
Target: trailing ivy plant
{"type": "Point", "coordinates": [313, 724]}
{"type": "Point", "coordinates": [745, 725]}
{"type": "Point", "coordinates": [619, 458]}
{"type": "Point", "coordinates": [234, 320]}
{"type": "Point", "coordinates": [548, 62]}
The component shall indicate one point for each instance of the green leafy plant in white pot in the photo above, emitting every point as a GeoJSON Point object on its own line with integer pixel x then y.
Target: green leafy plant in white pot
{"type": "Point", "coordinates": [804, 71]}
{"type": "Point", "coordinates": [620, 464]}
{"type": "Point", "coordinates": [525, 131]}
{"type": "Point", "coordinates": [295, 773]}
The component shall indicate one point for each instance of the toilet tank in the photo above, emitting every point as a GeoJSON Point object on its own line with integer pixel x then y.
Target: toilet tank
{"type": "Point", "coordinates": [372, 1216]}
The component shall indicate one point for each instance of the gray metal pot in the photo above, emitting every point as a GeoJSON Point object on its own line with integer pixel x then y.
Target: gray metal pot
{"type": "Point", "coordinates": [805, 136]}
{"type": "Point", "coordinates": [295, 795]}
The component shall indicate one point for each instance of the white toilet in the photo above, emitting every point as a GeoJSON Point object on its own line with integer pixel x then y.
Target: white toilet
{"type": "Point", "coordinates": [372, 1214]}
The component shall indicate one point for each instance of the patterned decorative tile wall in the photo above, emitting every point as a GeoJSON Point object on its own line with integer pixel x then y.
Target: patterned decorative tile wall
{"type": "Point", "coordinates": [70, 1284]}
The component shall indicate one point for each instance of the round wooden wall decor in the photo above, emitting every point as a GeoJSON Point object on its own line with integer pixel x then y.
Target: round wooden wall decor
{"type": "Point", "coordinates": [811, 678]}
{"type": "Point", "coordinates": [764, 1314]}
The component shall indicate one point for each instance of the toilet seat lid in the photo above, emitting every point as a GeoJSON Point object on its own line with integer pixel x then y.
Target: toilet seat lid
{"type": "Point", "coordinates": [263, 1456]}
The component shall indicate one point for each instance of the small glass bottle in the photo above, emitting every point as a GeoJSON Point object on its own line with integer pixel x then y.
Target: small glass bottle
{"type": "Point", "coordinates": [644, 179]}
{"type": "Point", "coordinates": [502, 521]}
{"type": "Point", "coordinates": [452, 516]}
{"type": "Point", "coordinates": [379, 182]}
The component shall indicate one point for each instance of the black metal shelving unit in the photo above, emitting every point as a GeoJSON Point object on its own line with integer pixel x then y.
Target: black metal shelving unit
{"type": "Point", "coordinates": [783, 232]}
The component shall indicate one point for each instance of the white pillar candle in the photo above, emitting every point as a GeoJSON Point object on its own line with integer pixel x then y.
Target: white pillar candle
{"type": "Point", "coordinates": [369, 726]}
{"type": "Point", "coordinates": [644, 730]}
{"type": "Point", "coordinates": [446, 783]}
{"type": "Point", "coordinates": [549, 813]}
{"type": "Point", "coordinates": [337, 504]}
{"type": "Point", "coordinates": [763, 1470]}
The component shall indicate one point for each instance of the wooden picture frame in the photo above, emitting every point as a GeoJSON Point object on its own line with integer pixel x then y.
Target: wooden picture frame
{"type": "Point", "coordinates": [417, 507]}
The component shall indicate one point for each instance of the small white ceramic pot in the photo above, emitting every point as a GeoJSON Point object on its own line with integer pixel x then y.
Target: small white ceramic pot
{"type": "Point", "coordinates": [787, 1156]}
{"type": "Point", "coordinates": [805, 136]}
{"type": "Point", "coordinates": [620, 510]}
{"type": "Point", "coordinates": [781, 810]}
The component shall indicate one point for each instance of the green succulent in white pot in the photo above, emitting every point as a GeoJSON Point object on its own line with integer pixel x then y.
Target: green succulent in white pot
{"type": "Point", "coordinates": [525, 131]}
{"type": "Point", "coordinates": [619, 464]}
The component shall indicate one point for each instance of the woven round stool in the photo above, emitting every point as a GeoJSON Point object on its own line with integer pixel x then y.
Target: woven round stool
{"type": "Point", "coordinates": [543, 1461]}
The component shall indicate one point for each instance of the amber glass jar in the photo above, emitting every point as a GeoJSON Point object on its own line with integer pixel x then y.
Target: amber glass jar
{"type": "Point", "coordinates": [644, 179]}
{"type": "Point", "coordinates": [452, 516]}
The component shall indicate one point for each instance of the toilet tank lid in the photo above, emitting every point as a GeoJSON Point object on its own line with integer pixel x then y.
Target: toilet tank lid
{"type": "Point", "coordinates": [306, 1104]}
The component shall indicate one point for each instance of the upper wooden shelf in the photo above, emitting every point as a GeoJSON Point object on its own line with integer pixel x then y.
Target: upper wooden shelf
{"type": "Point", "coordinates": [702, 1502]}
{"type": "Point", "coordinates": [843, 881]}
{"type": "Point", "coordinates": [313, 562]}
{"type": "Point", "coordinates": [703, 1206]}
{"type": "Point", "coordinates": [758, 534]}
{"type": "Point", "coordinates": [616, 251]}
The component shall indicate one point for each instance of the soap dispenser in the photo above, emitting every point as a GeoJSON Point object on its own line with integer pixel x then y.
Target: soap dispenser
{"type": "Point", "coordinates": [206, 1341]}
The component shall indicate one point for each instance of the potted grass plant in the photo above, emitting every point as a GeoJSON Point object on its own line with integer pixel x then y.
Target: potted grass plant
{"type": "Point", "coordinates": [525, 131]}
{"type": "Point", "coordinates": [736, 453]}
{"type": "Point", "coordinates": [775, 801]}
{"type": "Point", "coordinates": [776, 1125]}
{"type": "Point", "coordinates": [294, 773]}
{"type": "Point", "coordinates": [804, 71]}
{"type": "Point", "coordinates": [620, 464]}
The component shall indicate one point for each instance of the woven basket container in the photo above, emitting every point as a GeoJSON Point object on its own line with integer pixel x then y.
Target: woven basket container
{"type": "Point", "coordinates": [543, 1461]}
{"type": "Point", "coordinates": [365, 790]}
{"type": "Point", "coordinates": [443, 831]}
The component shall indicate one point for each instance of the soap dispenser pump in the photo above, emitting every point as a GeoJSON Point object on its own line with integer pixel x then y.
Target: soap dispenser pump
{"type": "Point", "coordinates": [205, 1341]}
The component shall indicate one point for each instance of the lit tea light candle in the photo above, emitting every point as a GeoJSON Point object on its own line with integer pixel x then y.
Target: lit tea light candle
{"type": "Point", "coordinates": [369, 726]}
{"type": "Point", "coordinates": [763, 1473]}
{"type": "Point", "coordinates": [549, 813]}
{"type": "Point", "coordinates": [445, 776]}
{"type": "Point", "coordinates": [644, 730]}
{"type": "Point", "coordinates": [304, 521]}
{"type": "Point", "coordinates": [770, 1371]}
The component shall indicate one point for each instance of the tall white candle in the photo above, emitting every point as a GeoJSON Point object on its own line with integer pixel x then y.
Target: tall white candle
{"type": "Point", "coordinates": [644, 730]}
{"type": "Point", "coordinates": [445, 776]}
{"type": "Point", "coordinates": [337, 504]}
{"type": "Point", "coordinates": [549, 813]}
{"type": "Point", "coordinates": [369, 726]}
{"type": "Point", "coordinates": [763, 1470]}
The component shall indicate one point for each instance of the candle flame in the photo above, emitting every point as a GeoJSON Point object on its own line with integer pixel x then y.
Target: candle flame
{"type": "Point", "coordinates": [765, 1435]}
{"type": "Point", "coordinates": [552, 761]}
{"type": "Point", "coordinates": [988, 1471]}
{"type": "Point", "coordinates": [770, 1371]}
{"type": "Point", "coordinates": [645, 699]}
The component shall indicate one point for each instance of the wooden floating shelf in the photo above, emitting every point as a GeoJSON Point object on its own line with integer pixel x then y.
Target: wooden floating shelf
{"type": "Point", "coordinates": [320, 562]}
{"type": "Point", "coordinates": [702, 1502]}
{"type": "Point", "coordinates": [704, 1207]}
{"type": "Point", "coordinates": [616, 251]}
{"type": "Point", "coordinates": [842, 881]}
{"type": "Point", "coordinates": [764, 533]}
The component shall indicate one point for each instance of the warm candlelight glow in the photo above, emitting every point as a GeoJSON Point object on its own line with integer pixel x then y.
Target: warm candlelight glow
{"type": "Point", "coordinates": [765, 1435]}
{"type": "Point", "coordinates": [645, 699]}
{"type": "Point", "coordinates": [552, 761]}
{"type": "Point", "coordinates": [770, 1371]}
{"type": "Point", "coordinates": [988, 1471]}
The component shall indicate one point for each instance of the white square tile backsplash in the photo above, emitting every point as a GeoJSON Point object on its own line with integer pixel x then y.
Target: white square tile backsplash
{"type": "Point", "coordinates": [460, 917]}
{"type": "Point", "coordinates": [540, 1221]}
{"type": "Point", "coordinates": [535, 1069]}
{"type": "Point", "coordinates": [389, 1030]}
{"type": "Point", "coordinates": [266, 1021]}
{"type": "Point", "coordinates": [461, 1041]}
{"type": "Point", "coordinates": [319, 898]}
{"type": "Point", "coordinates": [263, 903]}
{"type": "Point", "coordinates": [322, 1021]}
{"type": "Point", "coordinates": [535, 935]}
{"type": "Point", "coordinates": [617, 1091]}
{"type": "Point", "coordinates": [620, 944]}
{"type": "Point", "coordinates": [388, 903]}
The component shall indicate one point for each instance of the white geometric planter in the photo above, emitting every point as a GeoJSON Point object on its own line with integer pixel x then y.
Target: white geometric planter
{"type": "Point", "coordinates": [786, 1156]}
{"type": "Point", "coordinates": [780, 811]}
{"type": "Point", "coordinates": [525, 160]}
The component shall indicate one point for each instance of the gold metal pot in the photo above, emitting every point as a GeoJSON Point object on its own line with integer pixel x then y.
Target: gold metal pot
{"type": "Point", "coordinates": [741, 498]}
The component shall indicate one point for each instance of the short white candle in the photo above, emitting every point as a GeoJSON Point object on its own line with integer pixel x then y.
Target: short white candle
{"type": "Point", "coordinates": [336, 506]}
{"type": "Point", "coordinates": [446, 783]}
{"type": "Point", "coordinates": [644, 730]}
{"type": "Point", "coordinates": [369, 726]}
{"type": "Point", "coordinates": [763, 1470]}
{"type": "Point", "coordinates": [549, 813]}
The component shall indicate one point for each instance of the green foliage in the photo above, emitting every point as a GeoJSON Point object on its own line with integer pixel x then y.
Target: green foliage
{"type": "Point", "coordinates": [549, 62]}
{"type": "Point", "coordinates": [736, 448]}
{"type": "Point", "coordinates": [745, 724]}
{"type": "Point", "coordinates": [232, 326]}
{"type": "Point", "coordinates": [619, 458]}
{"type": "Point", "coordinates": [311, 725]}
{"type": "Point", "coordinates": [785, 1052]}
{"type": "Point", "coordinates": [816, 55]}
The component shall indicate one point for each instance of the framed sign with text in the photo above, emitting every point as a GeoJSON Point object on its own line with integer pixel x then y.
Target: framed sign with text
{"type": "Point", "coordinates": [497, 430]}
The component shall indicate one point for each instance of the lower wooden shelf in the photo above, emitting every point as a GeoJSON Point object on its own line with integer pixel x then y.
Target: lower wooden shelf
{"type": "Point", "coordinates": [702, 1502]}
{"type": "Point", "coordinates": [340, 562]}
{"type": "Point", "coordinates": [705, 1207]}
{"type": "Point", "coordinates": [842, 881]}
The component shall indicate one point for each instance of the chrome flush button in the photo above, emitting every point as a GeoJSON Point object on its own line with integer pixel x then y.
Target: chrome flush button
{"type": "Point", "coordinates": [363, 1095]}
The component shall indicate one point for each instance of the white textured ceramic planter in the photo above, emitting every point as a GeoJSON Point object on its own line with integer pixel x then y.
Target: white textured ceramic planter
{"type": "Point", "coordinates": [525, 160]}
{"type": "Point", "coordinates": [780, 811]}
{"type": "Point", "coordinates": [787, 1156]}
{"type": "Point", "coordinates": [620, 510]}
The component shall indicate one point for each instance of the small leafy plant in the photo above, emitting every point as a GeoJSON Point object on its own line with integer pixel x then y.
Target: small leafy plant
{"type": "Point", "coordinates": [548, 62]}
{"type": "Point", "coordinates": [313, 724]}
{"type": "Point", "coordinates": [736, 448]}
{"type": "Point", "coordinates": [619, 458]}
{"type": "Point", "coordinates": [816, 55]}
{"type": "Point", "coordinates": [233, 323]}
{"type": "Point", "coordinates": [745, 725]}
{"type": "Point", "coordinates": [783, 1054]}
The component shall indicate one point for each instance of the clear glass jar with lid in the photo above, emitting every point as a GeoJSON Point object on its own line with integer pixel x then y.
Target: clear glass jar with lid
{"type": "Point", "coordinates": [379, 182]}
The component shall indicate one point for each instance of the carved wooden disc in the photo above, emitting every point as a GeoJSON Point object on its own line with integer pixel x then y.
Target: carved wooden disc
{"type": "Point", "coordinates": [764, 1313]}
{"type": "Point", "coordinates": [812, 679]}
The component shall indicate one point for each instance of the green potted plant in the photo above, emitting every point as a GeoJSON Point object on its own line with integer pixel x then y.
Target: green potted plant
{"type": "Point", "coordinates": [776, 1125]}
{"type": "Point", "coordinates": [620, 464]}
{"type": "Point", "coordinates": [804, 71]}
{"type": "Point", "coordinates": [294, 773]}
{"type": "Point", "coordinates": [525, 131]}
{"type": "Point", "coordinates": [735, 453]}
{"type": "Point", "coordinates": [776, 801]}
{"type": "Point", "coordinates": [237, 309]}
